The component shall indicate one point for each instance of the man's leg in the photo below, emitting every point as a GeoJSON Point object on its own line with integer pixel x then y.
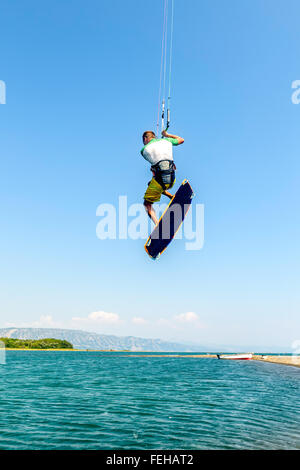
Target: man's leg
{"type": "Point", "coordinates": [169, 186]}
{"type": "Point", "coordinates": [169, 195]}
{"type": "Point", "coordinates": [150, 211]}
{"type": "Point", "coordinates": [152, 195]}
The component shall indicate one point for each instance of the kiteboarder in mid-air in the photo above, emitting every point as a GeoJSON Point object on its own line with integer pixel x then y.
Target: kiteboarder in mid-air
{"type": "Point", "coordinates": [159, 153]}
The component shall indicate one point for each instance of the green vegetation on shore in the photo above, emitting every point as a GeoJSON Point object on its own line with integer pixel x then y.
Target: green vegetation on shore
{"type": "Point", "coordinates": [46, 343]}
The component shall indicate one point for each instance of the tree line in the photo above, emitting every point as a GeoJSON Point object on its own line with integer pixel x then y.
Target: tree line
{"type": "Point", "coordinates": [46, 343]}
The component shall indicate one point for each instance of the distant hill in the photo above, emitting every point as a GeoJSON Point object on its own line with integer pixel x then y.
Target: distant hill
{"type": "Point", "coordinates": [85, 340]}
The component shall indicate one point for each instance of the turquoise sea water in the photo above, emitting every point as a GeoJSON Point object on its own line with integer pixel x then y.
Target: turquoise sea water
{"type": "Point", "coordinates": [90, 400]}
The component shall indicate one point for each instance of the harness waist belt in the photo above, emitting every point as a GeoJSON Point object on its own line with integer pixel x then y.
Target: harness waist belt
{"type": "Point", "coordinates": [164, 172]}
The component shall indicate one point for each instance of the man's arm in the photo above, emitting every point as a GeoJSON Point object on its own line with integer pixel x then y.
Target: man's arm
{"type": "Point", "coordinates": [179, 139]}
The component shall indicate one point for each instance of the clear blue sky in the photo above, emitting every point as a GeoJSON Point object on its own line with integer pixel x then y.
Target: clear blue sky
{"type": "Point", "coordinates": [82, 84]}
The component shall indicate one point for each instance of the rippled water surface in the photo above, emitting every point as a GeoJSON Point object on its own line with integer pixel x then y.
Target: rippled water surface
{"type": "Point", "coordinates": [90, 400]}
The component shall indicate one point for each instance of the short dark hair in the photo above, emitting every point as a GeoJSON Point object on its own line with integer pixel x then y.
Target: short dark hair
{"type": "Point", "coordinates": [148, 133]}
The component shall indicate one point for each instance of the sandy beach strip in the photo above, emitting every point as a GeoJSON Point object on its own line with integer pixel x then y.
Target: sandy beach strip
{"type": "Point", "coordinates": [124, 353]}
{"type": "Point", "coordinates": [285, 360]}
{"type": "Point", "coordinates": [172, 355]}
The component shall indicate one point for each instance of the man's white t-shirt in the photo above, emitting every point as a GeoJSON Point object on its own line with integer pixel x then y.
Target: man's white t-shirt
{"type": "Point", "coordinates": [159, 149]}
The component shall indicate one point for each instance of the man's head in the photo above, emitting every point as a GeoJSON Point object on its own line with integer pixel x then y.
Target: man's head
{"type": "Point", "coordinates": [147, 136]}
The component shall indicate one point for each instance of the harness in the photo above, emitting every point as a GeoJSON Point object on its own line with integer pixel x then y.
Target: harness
{"type": "Point", "coordinates": [164, 172]}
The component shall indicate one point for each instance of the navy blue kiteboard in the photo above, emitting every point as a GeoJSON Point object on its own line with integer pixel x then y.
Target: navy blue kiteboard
{"type": "Point", "coordinates": [170, 222]}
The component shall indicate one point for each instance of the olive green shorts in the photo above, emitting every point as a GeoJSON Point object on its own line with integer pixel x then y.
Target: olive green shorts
{"type": "Point", "coordinates": [155, 190]}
